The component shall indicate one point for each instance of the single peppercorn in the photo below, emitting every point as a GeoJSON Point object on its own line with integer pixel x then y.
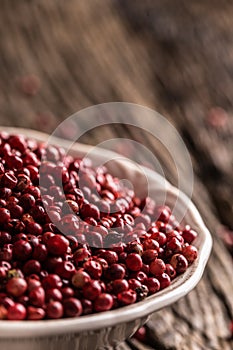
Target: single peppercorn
{"type": "Point", "coordinates": [57, 245]}
{"type": "Point", "coordinates": [134, 262]}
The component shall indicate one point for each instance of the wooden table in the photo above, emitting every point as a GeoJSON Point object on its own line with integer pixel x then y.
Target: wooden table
{"type": "Point", "coordinates": [58, 57]}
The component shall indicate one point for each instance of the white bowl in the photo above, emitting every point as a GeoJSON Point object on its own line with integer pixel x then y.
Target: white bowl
{"type": "Point", "coordinates": [109, 328]}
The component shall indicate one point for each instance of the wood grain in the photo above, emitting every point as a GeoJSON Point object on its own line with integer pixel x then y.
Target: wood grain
{"type": "Point", "coordinates": [175, 57]}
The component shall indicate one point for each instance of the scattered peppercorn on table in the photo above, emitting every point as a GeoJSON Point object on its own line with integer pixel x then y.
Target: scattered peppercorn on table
{"type": "Point", "coordinates": [60, 58]}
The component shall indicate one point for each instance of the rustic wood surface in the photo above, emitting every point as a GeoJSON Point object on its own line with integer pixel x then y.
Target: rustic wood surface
{"type": "Point", "coordinates": [172, 56]}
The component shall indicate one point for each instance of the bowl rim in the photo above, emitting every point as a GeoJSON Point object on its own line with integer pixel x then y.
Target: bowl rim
{"type": "Point", "coordinates": [182, 285]}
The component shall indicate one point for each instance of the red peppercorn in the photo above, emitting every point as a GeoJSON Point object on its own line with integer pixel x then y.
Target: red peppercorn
{"type": "Point", "coordinates": [80, 278]}
{"type": "Point", "coordinates": [5, 238]}
{"type": "Point", "coordinates": [30, 158]}
{"type": "Point", "coordinates": [150, 244]}
{"type": "Point", "coordinates": [67, 292]}
{"type": "Point", "coordinates": [33, 282]}
{"type": "Point", "coordinates": [87, 306]}
{"type": "Point", "coordinates": [170, 271]}
{"type": "Point", "coordinates": [188, 234]}
{"type": "Point", "coordinates": [34, 173]}
{"type": "Point", "coordinates": [164, 280]}
{"type": "Point", "coordinates": [110, 256]}
{"type": "Point", "coordinates": [31, 266]}
{"type": "Point", "coordinates": [4, 216]}
{"type": "Point", "coordinates": [27, 201]}
{"type": "Point", "coordinates": [119, 285]}
{"type": "Point", "coordinates": [90, 210]}
{"type": "Point", "coordinates": [127, 297]}
{"type": "Point", "coordinates": [5, 150]}
{"type": "Point", "coordinates": [134, 247]}
{"type": "Point", "coordinates": [179, 262]}
{"type": "Point", "coordinates": [177, 235]}
{"type": "Point", "coordinates": [27, 218]}
{"type": "Point", "coordinates": [139, 275]}
{"type": "Point", "coordinates": [14, 162]}
{"type": "Point", "coordinates": [16, 211]}
{"type": "Point", "coordinates": [70, 204]}
{"type": "Point", "coordinates": [34, 228]}
{"type": "Point", "coordinates": [80, 255]}
{"type": "Point", "coordinates": [190, 253]}
{"type": "Point", "coordinates": [33, 240]}
{"type": "Point", "coordinates": [94, 239]}
{"type": "Point", "coordinates": [157, 267]}
{"type": "Point", "coordinates": [134, 283]}
{"type": "Point", "coordinates": [16, 312]}
{"type": "Point", "coordinates": [72, 307]}
{"type": "Point", "coordinates": [22, 250]}
{"type": "Point", "coordinates": [149, 255]}
{"type": "Point", "coordinates": [144, 219]}
{"type": "Point", "coordinates": [115, 271]}
{"type": "Point", "coordinates": [37, 296]}
{"type": "Point", "coordinates": [163, 213]}
{"type": "Point", "coordinates": [161, 253]}
{"type": "Point", "coordinates": [163, 227]}
{"type": "Point", "coordinates": [19, 236]}
{"type": "Point", "coordinates": [7, 302]}
{"type": "Point", "coordinates": [16, 286]}
{"type": "Point", "coordinates": [91, 221]}
{"type": "Point", "coordinates": [102, 262]}
{"type": "Point", "coordinates": [9, 180]}
{"type": "Point", "coordinates": [91, 290]}
{"type": "Point", "coordinates": [40, 252]}
{"type": "Point", "coordinates": [46, 236]}
{"type": "Point", "coordinates": [54, 310]}
{"type": "Point", "coordinates": [17, 142]}
{"type": "Point", "coordinates": [174, 245]}
{"type": "Point", "coordinates": [38, 213]}
{"type": "Point", "coordinates": [35, 313]}
{"type": "Point", "coordinates": [6, 252]}
{"type": "Point", "coordinates": [134, 262]}
{"type": "Point", "coordinates": [65, 269]}
{"type": "Point", "coordinates": [140, 335]}
{"type": "Point", "coordinates": [122, 257]}
{"type": "Point", "coordinates": [54, 215]}
{"type": "Point", "coordinates": [5, 192]}
{"type": "Point", "coordinates": [52, 281]}
{"type": "Point", "coordinates": [53, 294]}
{"type": "Point", "coordinates": [152, 284]}
{"type": "Point", "coordinates": [103, 302]}
{"type": "Point", "coordinates": [12, 199]}
{"type": "Point", "coordinates": [57, 245]}
{"type": "Point", "coordinates": [93, 268]}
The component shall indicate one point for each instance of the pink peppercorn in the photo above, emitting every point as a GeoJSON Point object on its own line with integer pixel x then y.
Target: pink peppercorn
{"type": "Point", "coordinates": [134, 262]}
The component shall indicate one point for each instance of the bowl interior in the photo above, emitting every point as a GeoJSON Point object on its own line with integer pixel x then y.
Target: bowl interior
{"type": "Point", "coordinates": [178, 288]}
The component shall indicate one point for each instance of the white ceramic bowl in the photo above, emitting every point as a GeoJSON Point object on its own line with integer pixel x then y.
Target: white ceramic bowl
{"type": "Point", "coordinates": [103, 330]}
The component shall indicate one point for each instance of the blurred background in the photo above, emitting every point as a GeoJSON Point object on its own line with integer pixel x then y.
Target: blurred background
{"type": "Point", "coordinates": [57, 57]}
